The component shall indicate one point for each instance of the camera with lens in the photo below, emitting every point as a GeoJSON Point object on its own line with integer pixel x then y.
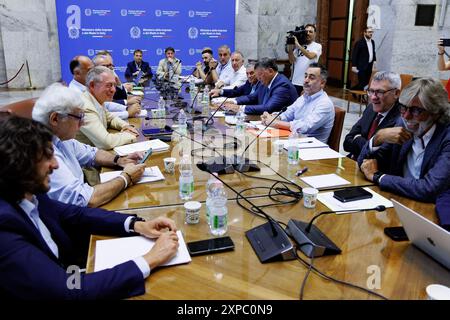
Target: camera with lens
{"type": "Point", "coordinates": [300, 33]}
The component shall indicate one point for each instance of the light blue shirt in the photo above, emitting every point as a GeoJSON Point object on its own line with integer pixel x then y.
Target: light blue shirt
{"type": "Point", "coordinates": [311, 115]}
{"type": "Point", "coordinates": [31, 210]}
{"type": "Point", "coordinates": [67, 182]}
{"type": "Point", "coordinates": [414, 159]}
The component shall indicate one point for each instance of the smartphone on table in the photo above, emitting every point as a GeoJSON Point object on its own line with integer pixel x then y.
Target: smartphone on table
{"type": "Point", "coordinates": [210, 246]}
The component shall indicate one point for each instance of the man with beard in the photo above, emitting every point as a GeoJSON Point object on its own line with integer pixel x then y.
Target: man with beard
{"type": "Point", "coordinates": [413, 158]}
{"type": "Point", "coordinates": [41, 238]}
{"type": "Point", "coordinates": [311, 114]}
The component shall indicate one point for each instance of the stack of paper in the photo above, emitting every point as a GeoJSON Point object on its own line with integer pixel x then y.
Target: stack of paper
{"type": "Point", "coordinates": [155, 144]}
{"type": "Point", "coordinates": [335, 205]}
{"type": "Point", "coordinates": [306, 143]}
{"type": "Point", "coordinates": [325, 181]}
{"type": "Point", "coordinates": [150, 174]}
{"type": "Point", "coordinates": [110, 253]}
{"type": "Point", "coordinates": [319, 153]}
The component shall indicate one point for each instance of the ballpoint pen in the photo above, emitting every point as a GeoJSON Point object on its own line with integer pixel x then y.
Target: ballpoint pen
{"type": "Point", "coordinates": [302, 171]}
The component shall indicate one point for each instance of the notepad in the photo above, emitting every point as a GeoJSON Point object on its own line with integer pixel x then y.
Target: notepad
{"type": "Point", "coordinates": [319, 153]}
{"type": "Point", "coordinates": [335, 205]}
{"type": "Point", "coordinates": [269, 132]}
{"type": "Point", "coordinates": [155, 144]}
{"type": "Point", "coordinates": [110, 253]}
{"type": "Point", "coordinates": [325, 181]}
{"type": "Point", "coordinates": [150, 174]}
{"type": "Point", "coordinates": [306, 143]}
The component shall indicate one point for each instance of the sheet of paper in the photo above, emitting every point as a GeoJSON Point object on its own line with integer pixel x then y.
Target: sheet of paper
{"type": "Point", "coordinates": [230, 120]}
{"type": "Point", "coordinates": [109, 253]}
{"type": "Point", "coordinates": [307, 143]}
{"type": "Point", "coordinates": [325, 181]}
{"type": "Point", "coordinates": [155, 144]}
{"type": "Point", "coordinates": [150, 174]}
{"type": "Point", "coordinates": [219, 114]}
{"type": "Point", "coordinates": [334, 204]}
{"type": "Point", "coordinates": [319, 153]}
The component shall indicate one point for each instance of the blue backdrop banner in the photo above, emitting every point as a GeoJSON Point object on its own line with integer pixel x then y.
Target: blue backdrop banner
{"type": "Point", "coordinates": [86, 27]}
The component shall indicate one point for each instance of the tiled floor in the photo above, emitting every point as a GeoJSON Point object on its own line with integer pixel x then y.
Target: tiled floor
{"type": "Point", "coordinates": [351, 117]}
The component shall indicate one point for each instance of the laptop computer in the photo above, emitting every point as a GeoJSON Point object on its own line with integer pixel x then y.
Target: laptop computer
{"type": "Point", "coordinates": [424, 234]}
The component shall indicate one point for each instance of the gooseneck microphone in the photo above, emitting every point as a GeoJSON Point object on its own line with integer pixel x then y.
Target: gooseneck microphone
{"type": "Point", "coordinates": [319, 243]}
{"type": "Point", "coordinates": [380, 208]}
{"type": "Point", "coordinates": [269, 241]}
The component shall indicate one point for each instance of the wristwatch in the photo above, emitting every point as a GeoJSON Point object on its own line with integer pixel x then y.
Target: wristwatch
{"type": "Point", "coordinates": [116, 158]}
{"type": "Point", "coordinates": [376, 177]}
{"type": "Point", "coordinates": [133, 221]}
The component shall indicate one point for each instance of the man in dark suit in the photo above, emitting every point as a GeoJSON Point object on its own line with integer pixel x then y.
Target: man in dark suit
{"type": "Point", "coordinates": [363, 58]}
{"type": "Point", "coordinates": [382, 112]}
{"type": "Point", "coordinates": [138, 71]}
{"type": "Point", "coordinates": [413, 158]}
{"type": "Point", "coordinates": [249, 87]}
{"type": "Point", "coordinates": [42, 240]}
{"type": "Point", "coordinates": [443, 210]}
{"type": "Point", "coordinates": [275, 93]}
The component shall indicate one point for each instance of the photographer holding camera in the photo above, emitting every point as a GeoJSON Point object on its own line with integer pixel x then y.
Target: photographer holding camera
{"type": "Point", "coordinates": [302, 53]}
{"type": "Point", "coordinates": [442, 65]}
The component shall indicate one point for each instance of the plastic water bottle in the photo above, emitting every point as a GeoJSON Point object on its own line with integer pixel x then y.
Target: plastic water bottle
{"type": "Point", "coordinates": [161, 108]}
{"type": "Point", "coordinates": [240, 120]}
{"type": "Point", "coordinates": [217, 207]}
{"type": "Point", "coordinates": [205, 102]}
{"type": "Point", "coordinates": [210, 188]}
{"type": "Point", "coordinates": [191, 85]}
{"type": "Point", "coordinates": [186, 178]}
{"type": "Point", "coordinates": [293, 149]}
{"type": "Point", "coordinates": [182, 122]}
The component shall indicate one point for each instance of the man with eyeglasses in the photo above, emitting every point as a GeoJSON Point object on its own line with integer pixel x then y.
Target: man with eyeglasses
{"type": "Point", "coordinates": [62, 110]}
{"type": "Point", "coordinates": [302, 55]}
{"type": "Point", "coordinates": [222, 71]}
{"type": "Point", "coordinates": [382, 111]}
{"type": "Point", "coordinates": [122, 104]}
{"type": "Point", "coordinates": [101, 87]}
{"type": "Point", "coordinates": [413, 158]}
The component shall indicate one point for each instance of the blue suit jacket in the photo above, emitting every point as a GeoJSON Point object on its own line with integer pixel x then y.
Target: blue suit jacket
{"type": "Point", "coordinates": [131, 68]}
{"type": "Point", "coordinates": [243, 90]}
{"type": "Point", "coordinates": [434, 174]}
{"type": "Point", "coordinates": [29, 269]}
{"type": "Point", "coordinates": [281, 94]}
{"type": "Point", "coordinates": [443, 209]}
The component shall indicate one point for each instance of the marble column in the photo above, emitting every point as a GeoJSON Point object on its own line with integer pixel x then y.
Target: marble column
{"type": "Point", "coordinates": [247, 29]}
{"type": "Point", "coordinates": [27, 36]}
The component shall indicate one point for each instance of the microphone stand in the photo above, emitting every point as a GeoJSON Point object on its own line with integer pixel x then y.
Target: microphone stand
{"type": "Point", "coordinates": [269, 241]}
{"type": "Point", "coordinates": [319, 244]}
{"type": "Point", "coordinates": [244, 163]}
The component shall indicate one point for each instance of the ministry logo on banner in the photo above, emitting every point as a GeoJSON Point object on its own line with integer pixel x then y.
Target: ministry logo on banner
{"type": "Point", "coordinates": [159, 51]}
{"type": "Point", "coordinates": [191, 13]}
{"type": "Point", "coordinates": [125, 52]}
{"type": "Point", "coordinates": [193, 33]}
{"type": "Point", "coordinates": [88, 12]}
{"type": "Point", "coordinates": [158, 13]}
{"type": "Point", "coordinates": [90, 52]}
{"type": "Point", "coordinates": [135, 32]}
{"type": "Point", "coordinates": [123, 12]}
{"type": "Point", "coordinates": [73, 21]}
{"type": "Point", "coordinates": [74, 32]}
{"type": "Point", "coordinates": [191, 51]}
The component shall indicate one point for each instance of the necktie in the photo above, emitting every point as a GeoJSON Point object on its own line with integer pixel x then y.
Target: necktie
{"type": "Point", "coordinates": [374, 125]}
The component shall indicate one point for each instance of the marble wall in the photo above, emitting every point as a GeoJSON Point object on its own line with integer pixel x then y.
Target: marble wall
{"type": "Point", "coordinates": [403, 47]}
{"type": "Point", "coordinates": [28, 33]}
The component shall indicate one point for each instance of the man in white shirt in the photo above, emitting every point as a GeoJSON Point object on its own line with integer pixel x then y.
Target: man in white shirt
{"type": "Point", "coordinates": [302, 55]}
{"type": "Point", "coordinates": [312, 114]}
{"type": "Point", "coordinates": [239, 76]}
{"type": "Point", "coordinates": [61, 109]}
{"type": "Point", "coordinates": [79, 67]}
{"type": "Point", "coordinates": [222, 70]}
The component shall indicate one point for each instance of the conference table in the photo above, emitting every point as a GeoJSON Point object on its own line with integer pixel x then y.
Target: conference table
{"type": "Point", "coordinates": [369, 259]}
